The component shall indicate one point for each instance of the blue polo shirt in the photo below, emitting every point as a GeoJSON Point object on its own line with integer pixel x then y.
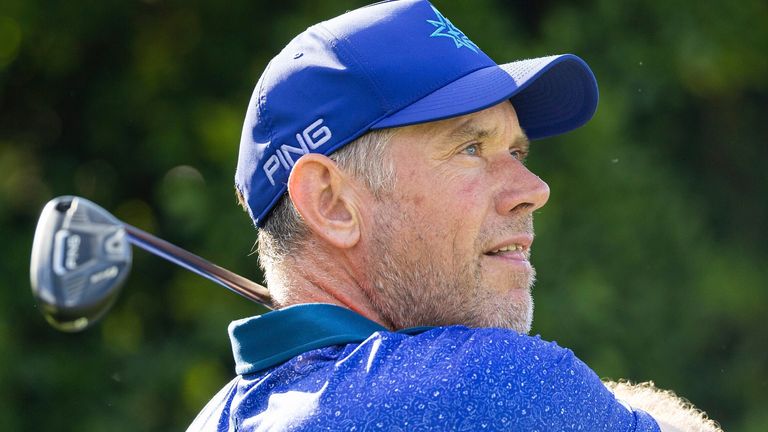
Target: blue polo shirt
{"type": "Point", "coordinates": [322, 367]}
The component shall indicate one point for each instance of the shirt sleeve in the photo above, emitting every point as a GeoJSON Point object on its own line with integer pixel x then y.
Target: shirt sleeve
{"type": "Point", "coordinates": [547, 387]}
{"type": "Point", "coordinates": [645, 422]}
{"type": "Point", "coordinates": [214, 417]}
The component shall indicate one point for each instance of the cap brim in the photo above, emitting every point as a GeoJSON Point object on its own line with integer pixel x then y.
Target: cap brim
{"type": "Point", "coordinates": [551, 95]}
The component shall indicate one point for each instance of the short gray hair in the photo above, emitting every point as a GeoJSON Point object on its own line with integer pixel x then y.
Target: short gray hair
{"type": "Point", "coordinates": [367, 159]}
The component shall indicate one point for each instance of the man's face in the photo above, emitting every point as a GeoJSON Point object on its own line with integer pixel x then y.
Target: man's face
{"type": "Point", "coordinates": [450, 243]}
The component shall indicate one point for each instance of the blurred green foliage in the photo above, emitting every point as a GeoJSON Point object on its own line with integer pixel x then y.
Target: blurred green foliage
{"type": "Point", "coordinates": [651, 253]}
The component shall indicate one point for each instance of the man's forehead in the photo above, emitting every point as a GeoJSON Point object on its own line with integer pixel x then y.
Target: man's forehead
{"type": "Point", "coordinates": [491, 122]}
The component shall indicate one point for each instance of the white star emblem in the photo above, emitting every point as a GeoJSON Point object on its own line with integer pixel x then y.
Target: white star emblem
{"type": "Point", "coordinates": [446, 28]}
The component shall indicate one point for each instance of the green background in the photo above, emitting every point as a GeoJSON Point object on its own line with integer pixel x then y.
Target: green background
{"type": "Point", "coordinates": [651, 252]}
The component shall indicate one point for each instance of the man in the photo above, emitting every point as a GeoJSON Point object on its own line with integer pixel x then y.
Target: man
{"type": "Point", "coordinates": [401, 147]}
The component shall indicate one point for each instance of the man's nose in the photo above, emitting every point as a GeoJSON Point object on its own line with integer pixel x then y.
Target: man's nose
{"type": "Point", "coordinates": [521, 190]}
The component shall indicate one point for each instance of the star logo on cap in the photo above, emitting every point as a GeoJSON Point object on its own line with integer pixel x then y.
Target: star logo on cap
{"type": "Point", "coordinates": [446, 28]}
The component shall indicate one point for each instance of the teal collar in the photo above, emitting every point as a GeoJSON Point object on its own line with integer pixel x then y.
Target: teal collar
{"type": "Point", "coordinates": [267, 340]}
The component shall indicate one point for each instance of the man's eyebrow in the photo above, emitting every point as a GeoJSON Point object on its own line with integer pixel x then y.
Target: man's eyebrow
{"type": "Point", "coordinates": [469, 130]}
{"type": "Point", "coordinates": [523, 142]}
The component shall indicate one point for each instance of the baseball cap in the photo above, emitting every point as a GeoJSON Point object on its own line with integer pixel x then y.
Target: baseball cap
{"type": "Point", "coordinates": [390, 64]}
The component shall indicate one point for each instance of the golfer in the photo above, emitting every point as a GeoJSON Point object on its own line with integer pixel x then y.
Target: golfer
{"type": "Point", "coordinates": [383, 161]}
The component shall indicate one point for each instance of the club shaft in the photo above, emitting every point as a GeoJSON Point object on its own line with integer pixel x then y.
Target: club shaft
{"type": "Point", "coordinates": [200, 266]}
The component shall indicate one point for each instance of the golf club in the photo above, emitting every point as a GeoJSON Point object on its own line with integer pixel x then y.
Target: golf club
{"type": "Point", "coordinates": [81, 256]}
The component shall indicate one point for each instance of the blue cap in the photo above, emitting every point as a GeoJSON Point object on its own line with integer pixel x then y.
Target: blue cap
{"type": "Point", "coordinates": [393, 63]}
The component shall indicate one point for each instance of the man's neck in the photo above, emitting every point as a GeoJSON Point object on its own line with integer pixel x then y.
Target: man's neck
{"type": "Point", "coordinates": [328, 281]}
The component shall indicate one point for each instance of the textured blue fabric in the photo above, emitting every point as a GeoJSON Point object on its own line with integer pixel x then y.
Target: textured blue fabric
{"type": "Point", "coordinates": [445, 378]}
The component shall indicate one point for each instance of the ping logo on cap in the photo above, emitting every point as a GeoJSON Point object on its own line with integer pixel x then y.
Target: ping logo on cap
{"type": "Point", "coordinates": [446, 28]}
{"type": "Point", "coordinates": [312, 137]}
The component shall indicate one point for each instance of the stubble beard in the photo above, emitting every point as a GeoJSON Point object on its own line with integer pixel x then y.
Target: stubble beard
{"type": "Point", "coordinates": [412, 287]}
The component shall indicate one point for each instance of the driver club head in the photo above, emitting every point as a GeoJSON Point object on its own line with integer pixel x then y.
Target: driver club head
{"type": "Point", "coordinates": [80, 258]}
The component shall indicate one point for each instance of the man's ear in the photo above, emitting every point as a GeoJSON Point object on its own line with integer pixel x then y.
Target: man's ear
{"type": "Point", "coordinates": [326, 200]}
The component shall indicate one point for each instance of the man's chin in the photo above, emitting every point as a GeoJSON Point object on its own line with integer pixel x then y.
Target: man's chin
{"type": "Point", "coordinates": [513, 310]}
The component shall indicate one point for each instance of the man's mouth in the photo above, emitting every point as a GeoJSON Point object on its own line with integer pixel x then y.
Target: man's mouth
{"type": "Point", "coordinates": [509, 248]}
{"type": "Point", "coordinates": [514, 248]}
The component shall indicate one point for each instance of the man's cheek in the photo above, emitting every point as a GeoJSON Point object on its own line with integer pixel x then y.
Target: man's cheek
{"type": "Point", "coordinates": [471, 192]}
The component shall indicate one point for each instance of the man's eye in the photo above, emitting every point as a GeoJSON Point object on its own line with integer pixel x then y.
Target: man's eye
{"type": "Point", "coordinates": [472, 150]}
{"type": "Point", "coordinates": [518, 154]}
